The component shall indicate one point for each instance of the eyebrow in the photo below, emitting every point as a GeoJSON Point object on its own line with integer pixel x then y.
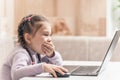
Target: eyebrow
{"type": "Point", "coordinates": [47, 32]}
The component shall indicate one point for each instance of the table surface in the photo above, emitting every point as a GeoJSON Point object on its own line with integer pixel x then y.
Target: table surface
{"type": "Point", "coordinates": [112, 72]}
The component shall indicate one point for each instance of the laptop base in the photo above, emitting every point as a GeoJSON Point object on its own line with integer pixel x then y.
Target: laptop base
{"type": "Point", "coordinates": [86, 71]}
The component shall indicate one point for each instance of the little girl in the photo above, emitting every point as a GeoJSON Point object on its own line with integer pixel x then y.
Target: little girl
{"type": "Point", "coordinates": [35, 52]}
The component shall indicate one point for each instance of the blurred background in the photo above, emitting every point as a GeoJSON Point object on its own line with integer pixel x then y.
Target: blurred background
{"type": "Point", "coordinates": [86, 18]}
{"type": "Point", "coordinates": [77, 17]}
{"type": "Point", "coordinates": [81, 17]}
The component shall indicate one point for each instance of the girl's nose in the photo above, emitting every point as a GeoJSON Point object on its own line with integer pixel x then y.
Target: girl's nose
{"type": "Point", "coordinates": [49, 39]}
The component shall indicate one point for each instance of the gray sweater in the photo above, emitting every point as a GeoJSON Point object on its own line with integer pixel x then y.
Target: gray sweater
{"type": "Point", "coordinates": [19, 64]}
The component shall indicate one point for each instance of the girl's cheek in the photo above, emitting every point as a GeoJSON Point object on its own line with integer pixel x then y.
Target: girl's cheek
{"type": "Point", "coordinates": [45, 39]}
{"type": "Point", "coordinates": [42, 41]}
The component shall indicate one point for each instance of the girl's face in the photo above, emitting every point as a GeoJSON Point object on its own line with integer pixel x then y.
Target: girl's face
{"type": "Point", "coordinates": [43, 35]}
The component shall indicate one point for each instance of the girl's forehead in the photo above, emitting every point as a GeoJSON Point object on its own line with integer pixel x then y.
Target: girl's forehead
{"type": "Point", "coordinates": [43, 23]}
{"type": "Point", "coordinates": [45, 26]}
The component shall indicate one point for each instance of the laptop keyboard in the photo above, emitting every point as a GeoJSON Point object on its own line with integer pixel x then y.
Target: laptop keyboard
{"type": "Point", "coordinates": [70, 68]}
{"type": "Point", "coordinates": [86, 70]}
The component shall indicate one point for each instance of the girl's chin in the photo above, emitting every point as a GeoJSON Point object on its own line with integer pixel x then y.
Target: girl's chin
{"type": "Point", "coordinates": [42, 55]}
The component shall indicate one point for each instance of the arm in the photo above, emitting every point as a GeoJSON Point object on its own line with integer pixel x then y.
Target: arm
{"type": "Point", "coordinates": [20, 67]}
{"type": "Point", "coordinates": [56, 59]}
{"type": "Point", "coordinates": [52, 56]}
{"type": "Point", "coordinates": [55, 64]}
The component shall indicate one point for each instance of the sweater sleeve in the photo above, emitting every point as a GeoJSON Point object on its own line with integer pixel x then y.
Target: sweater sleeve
{"type": "Point", "coordinates": [56, 59]}
{"type": "Point", "coordinates": [20, 67]}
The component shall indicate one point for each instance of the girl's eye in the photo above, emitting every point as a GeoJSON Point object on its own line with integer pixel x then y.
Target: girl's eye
{"type": "Point", "coordinates": [46, 34]}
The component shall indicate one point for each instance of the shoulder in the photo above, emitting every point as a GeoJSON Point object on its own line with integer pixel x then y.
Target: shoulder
{"type": "Point", "coordinates": [19, 48]}
{"type": "Point", "coordinates": [20, 51]}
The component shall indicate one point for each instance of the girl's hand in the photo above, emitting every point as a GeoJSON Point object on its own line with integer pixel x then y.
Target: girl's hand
{"type": "Point", "coordinates": [48, 49]}
{"type": "Point", "coordinates": [52, 68]}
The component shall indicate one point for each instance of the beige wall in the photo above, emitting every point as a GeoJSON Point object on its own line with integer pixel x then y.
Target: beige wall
{"type": "Point", "coordinates": [84, 17]}
{"type": "Point", "coordinates": [92, 17]}
{"type": "Point", "coordinates": [24, 7]}
{"type": "Point", "coordinates": [6, 18]}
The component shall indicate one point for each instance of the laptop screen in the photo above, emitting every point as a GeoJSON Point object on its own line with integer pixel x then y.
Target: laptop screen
{"type": "Point", "coordinates": [110, 50]}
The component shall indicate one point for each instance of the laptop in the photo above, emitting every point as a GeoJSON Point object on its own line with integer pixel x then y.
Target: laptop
{"type": "Point", "coordinates": [95, 70]}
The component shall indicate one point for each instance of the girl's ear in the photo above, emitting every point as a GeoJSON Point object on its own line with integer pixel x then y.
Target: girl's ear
{"type": "Point", "coordinates": [27, 37]}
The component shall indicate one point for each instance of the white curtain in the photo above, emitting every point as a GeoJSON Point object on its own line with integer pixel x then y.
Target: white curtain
{"type": "Point", "coordinates": [6, 29]}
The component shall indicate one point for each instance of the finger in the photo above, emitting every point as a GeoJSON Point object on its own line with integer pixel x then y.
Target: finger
{"type": "Point", "coordinates": [63, 69]}
{"type": "Point", "coordinates": [47, 50]}
{"type": "Point", "coordinates": [44, 51]}
{"type": "Point", "coordinates": [53, 73]}
{"type": "Point", "coordinates": [59, 70]}
{"type": "Point", "coordinates": [48, 47]}
{"type": "Point", "coordinates": [49, 44]}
